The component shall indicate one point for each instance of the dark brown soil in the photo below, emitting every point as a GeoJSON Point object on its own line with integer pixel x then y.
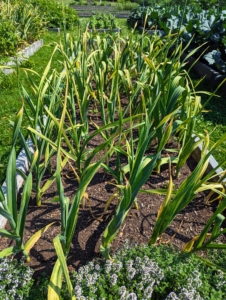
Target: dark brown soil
{"type": "Point", "coordinates": [91, 224]}
{"type": "Point", "coordinates": [138, 225]}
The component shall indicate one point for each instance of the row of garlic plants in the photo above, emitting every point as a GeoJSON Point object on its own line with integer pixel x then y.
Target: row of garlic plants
{"type": "Point", "coordinates": [161, 105]}
{"type": "Point", "coordinates": [21, 24]}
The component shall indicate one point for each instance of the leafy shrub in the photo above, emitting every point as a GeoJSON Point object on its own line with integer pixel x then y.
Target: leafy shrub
{"type": "Point", "coordinates": [8, 38]}
{"type": "Point", "coordinates": [15, 279]}
{"type": "Point", "coordinates": [21, 23]}
{"type": "Point", "coordinates": [205, 26]}
{"type": "Point", "coordinates": [29, 22]}
{"type": "Point", "coordinates": [102, 20]}
{"type": "Point", "coordinates": [56, 13]}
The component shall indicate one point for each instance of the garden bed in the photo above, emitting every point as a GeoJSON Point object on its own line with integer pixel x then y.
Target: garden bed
{"type": "Point", "coordinates": [88, 10]}
{"type": "Point", "coordinates": [92, 222]}
{"type": "Point", "coordinates": [117, 145]}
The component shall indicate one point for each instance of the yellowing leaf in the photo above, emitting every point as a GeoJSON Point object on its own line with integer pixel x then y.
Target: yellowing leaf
{"type": "Point", "coordinates": [55, 282]}
{"type": "Point", "coordinates": [30, 243]}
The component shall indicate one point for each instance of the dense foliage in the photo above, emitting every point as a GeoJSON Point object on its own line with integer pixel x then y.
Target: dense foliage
{"type": "Point", "coordinates": [141, 272]}
{"type": "Point", "coordinates": [22, 23]}
{"type": "Point", "coordinates": [102, 20]}
{"type": "Point", "coordinates": [15, 279]}
{"type": "Point", "coordinates": [196, 26]}
{"type": "Point", "coordinates": [161, 105]}
{"type": "Point", "coordinates": [56, 14]}
{"type": "Point", "coordinates": [8, 38]}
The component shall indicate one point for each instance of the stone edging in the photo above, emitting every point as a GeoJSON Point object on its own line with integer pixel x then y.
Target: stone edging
{"type": "Point", "coordinates": [22, 55]}
{"type": "Point", "coordinates": [54, 29]}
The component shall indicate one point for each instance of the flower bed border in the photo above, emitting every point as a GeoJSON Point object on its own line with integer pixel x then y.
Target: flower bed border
{"type": "Point", "coordinates": [21, 56]}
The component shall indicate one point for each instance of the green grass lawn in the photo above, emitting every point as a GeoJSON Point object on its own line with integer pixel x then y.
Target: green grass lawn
{"type": "Point", "coordinates": [214, 120]}
{"type": "Point", "coordinates": [10, 94]}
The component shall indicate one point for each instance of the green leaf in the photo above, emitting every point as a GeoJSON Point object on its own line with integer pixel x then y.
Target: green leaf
{"type": "Point", "coordinates": [11, 185]}
{"type": "Point", "coordinates": [55, 282]}
{"type": "Point", "coordinates": [26, 194]}
{"type": "Point", "coordinates": [8, 251]}
{"type": "Point", "coordinates": [8, 234]}
{"type": "Point", "coordinates": [61, 257]}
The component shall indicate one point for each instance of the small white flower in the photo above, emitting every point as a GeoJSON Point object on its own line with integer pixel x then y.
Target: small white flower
{"type": "Point", "coordinates": [114, 278]}
{"type": "Point", "coordinates": [131, 296]}
{"type": "Point", "coordinates": [117, 266]}
{"type": "Point", "coordinates": [140, 286]}
{"type": "Point", "coordinates": [79, 277]}
{"type": "Point", "coordinates": [129, 263]}
{"type": "Point", "coordinates": [78, 290]}
{"type": "Point", "coordinates": [131, 272]}
{"type": "Point", "coordinates": [122, 291]}
{"type": "Point", "coordinates": [148, 292]}
{"type": "Point", "coordinates": [97, 267]}
{"type": "Point", "coordinates": [172, 296]}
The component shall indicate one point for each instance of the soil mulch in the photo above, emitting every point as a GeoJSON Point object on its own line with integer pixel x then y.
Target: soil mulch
{"type": "Point", "coordinates": [91, 224]}
{"type": "Point", "coordinates": [138, 225]}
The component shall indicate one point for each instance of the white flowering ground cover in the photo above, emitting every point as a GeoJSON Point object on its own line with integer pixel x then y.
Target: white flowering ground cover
{"type": "Point", "coordinates": [15, 279]}
{"type": "Point", "coordinates": [138, 273]}
{"type": "Point", "coordinates": [149, 273]}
